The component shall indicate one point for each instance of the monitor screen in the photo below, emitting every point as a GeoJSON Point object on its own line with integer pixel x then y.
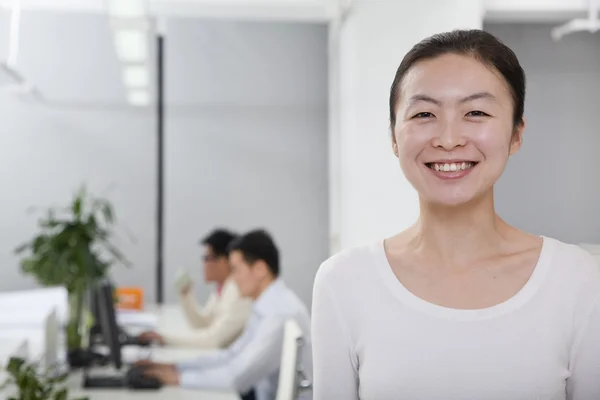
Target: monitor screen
{"type": "Point", "coordinates": [108, 321]}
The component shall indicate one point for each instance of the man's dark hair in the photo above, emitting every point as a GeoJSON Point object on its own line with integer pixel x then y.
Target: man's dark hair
{"type": "Point", "coordinates": [482, 46]}
{"type": "Point", "coordinates": [219, 241]}
{"type": "Point", "coordinates": [258, 245]}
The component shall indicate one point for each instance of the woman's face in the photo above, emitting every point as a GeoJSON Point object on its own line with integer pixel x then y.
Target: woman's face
{"type": "Point", "coordinates": [454, 128]}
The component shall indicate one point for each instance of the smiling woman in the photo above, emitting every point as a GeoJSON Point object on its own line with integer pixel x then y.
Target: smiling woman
{"type": "Point", "coordinates": [460, 305]}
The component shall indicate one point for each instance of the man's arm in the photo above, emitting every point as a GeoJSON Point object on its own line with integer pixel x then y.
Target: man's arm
{"type": "Point", "coordinates": [260, 357]}
{"type": "Point", "coordinates": [218, 357]}
{"type": "Point", "coordinates": [197, 317]}
{"type": "Point", "coordinates": [225, 327]}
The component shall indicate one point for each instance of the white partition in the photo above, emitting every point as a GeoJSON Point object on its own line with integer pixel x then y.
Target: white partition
{"type": "Point", "coordinates": [39, 328]}
{"type": "Point", "coordinates": [45, 299]}
{"type": "Point", "coordinates": [23, 317]}
{"type": "Point", "coordinates": [13, 347]}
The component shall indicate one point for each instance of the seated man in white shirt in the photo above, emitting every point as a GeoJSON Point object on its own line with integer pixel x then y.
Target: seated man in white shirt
{"type": "Point", "coordinates": [222, 319]}
{"type": "Point", "coordinates": [251, 365]}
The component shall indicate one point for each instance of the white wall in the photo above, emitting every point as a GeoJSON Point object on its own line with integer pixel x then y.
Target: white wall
{"type": "Point", "coordinates": [45, 155]}
{"type": "Point", "coordinates": [375, 200]}
{"type": "Point", "coordinates": [298, 10]}
{"type": "Point", "coordinates": [557, 199]}
{"type": "Point", "coordinates": [246, 141]}
{"type": "Point", "coordinates": [85, 134]}
{"type": "Point", "coordinates": [539, 6]}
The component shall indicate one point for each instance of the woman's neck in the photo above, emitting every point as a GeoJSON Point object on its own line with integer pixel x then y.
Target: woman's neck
{"type": "Point", "coordinates": [459, 234]}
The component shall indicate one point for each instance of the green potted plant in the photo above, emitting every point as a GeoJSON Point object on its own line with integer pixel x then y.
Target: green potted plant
{"type": "Point", "coordinates": [26, 382]}
{"type": "Point", "coordinates": [73, 249]}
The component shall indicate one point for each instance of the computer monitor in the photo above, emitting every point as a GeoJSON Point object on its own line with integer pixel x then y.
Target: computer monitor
{"type": "Point", "coordinates": [108, 322]}
{"type": "Point", "coordinates": [132, 378]}
{"type": "Point", "coordinates": [96, 332]}
{"type": "Point", "coordinates": [94, 305]}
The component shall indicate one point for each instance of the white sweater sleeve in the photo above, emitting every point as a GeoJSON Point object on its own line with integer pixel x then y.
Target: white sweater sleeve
{"type": "Point", "coordinates": [334, 366]}
{"type": "Point", "coordinates": [584, 382]}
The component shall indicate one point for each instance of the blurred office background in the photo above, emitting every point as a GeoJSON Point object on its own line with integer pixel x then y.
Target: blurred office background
{"type": "Point", "coordinates": [275, 117]}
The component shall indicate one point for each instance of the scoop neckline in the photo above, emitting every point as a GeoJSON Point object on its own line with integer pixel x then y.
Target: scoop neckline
{"type": "Point", "coordinates": [513, 303]}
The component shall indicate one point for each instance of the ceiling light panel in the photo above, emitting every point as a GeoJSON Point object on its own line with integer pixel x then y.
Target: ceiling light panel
{"type": "Point", "coordinates": [126, 8]}
{"type": "Point", "coordinates": [131, 45]}
{"type": "Point", "coordinates": [139, 98]}
{"type": "Point", "coordinates": [136, 76]}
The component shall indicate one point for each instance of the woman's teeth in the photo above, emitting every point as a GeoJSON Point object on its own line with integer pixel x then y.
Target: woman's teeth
{"type": "Point", "coordinates": [451, 167]}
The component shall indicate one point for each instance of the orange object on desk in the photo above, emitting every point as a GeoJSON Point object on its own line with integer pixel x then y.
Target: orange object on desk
{"type": "Point", "coordinates": [130, 298]}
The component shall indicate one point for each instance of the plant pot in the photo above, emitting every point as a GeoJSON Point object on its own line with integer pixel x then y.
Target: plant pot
{"type": "Point", "coordinates": [76, 332]}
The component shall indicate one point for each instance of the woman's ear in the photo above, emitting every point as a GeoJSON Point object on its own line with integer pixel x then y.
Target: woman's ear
{"type": "Point", "coordinates": [395, 146]}
{"type": "Point", "coordinates": [516, 140]}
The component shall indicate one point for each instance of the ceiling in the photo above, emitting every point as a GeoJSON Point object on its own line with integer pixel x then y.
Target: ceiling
{"type": "Point", "coordinates": [68, 51]}
{"type": "Point", "coordinates": [296, 10]}
{"type": "Point", "coordinates": [71, 58]}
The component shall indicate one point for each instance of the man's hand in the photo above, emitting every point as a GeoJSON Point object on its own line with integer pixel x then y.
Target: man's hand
{"type": "Point", "coordinates": [149, 364]}
{"type": "Point", "coordinates": [148, 337]}
{"type": "Point", "coordinates": [165, 373]}
{"type": "Point", "coordinates": [186, 289]}
{"type": "Point", "coordinates": [144, 363]}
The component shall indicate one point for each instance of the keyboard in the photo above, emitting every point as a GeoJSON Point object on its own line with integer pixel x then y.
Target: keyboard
{"type": "Point", "coordinates": [134, 379]}
{"type": "Point", "coordinates": [124, 338]}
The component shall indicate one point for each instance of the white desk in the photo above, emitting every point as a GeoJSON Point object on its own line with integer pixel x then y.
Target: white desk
{"type": "Point", "coordinates": [163, 394]}
{"type": "Point", "coordinates": [157, 354]}
{"type": "Point", "coordinates": [166, 393]}
{"type": "Point", "coordinates": [169, 316]}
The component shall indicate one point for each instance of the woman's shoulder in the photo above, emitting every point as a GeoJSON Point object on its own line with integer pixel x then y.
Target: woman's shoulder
{"type": "Point", "coordinates": [353, 262]}
{"type": "Point", "coordinates": [574, 265]}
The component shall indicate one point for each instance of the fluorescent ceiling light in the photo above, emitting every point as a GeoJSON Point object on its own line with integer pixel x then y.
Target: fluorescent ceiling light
{"type": "Point", "coordinates": [132, 45]}
{"type": "Point", "coordinates": [139, 97]}
{"type": "Point", "coordinates": [136, 76]}
{"type": "Point", "coordinates": [127, 8]}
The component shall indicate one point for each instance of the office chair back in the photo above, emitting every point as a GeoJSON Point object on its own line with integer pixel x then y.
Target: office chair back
{"type": "Point", "coordinates": [291, 377]}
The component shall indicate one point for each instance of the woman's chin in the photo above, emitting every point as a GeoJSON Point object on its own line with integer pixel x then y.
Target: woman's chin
{"type": "Point", "coordinates": [451, 200]}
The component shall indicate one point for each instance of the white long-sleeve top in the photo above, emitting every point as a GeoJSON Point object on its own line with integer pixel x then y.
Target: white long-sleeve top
{"type": "Point", "coordinates": [252, 362]}
{"type": "Point", "coordinates": [375, 340]}
{"type": "Point", "coordinates": [215, 325]}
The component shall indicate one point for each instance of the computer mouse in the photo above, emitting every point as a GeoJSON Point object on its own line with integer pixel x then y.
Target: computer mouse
{"type": "Point", "coordinates": [137, 380]}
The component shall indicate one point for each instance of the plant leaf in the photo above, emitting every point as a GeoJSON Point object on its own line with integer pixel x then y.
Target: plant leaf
{"type": "Point", "coordinates": [14, 365]}
{"type": "Point", "coordinates": [107, 212]}
{"type": "Point", "coordinates": [61, 394]}
{"type": "Point", "coordinates": [21, 248]}
{"type": "Point", "coordinates": [72, 247]}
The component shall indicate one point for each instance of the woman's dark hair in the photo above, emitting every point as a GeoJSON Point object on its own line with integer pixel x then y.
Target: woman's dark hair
{"type": "Point", "coordinates": [258, 245]}
{"type": "Point", "coordinates": [479, 44]}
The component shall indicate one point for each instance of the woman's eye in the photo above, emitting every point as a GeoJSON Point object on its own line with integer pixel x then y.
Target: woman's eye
{"type": "Point", "coordinates": [423, 115]}
{"type": "Point", "coordinates": [477, 114]}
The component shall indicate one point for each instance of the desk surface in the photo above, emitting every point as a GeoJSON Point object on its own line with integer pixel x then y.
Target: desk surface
{"type": "Point", "coordinates": [164, 394]}
{"type": "Point", "coordinates": [158, 354]}
{"type": "Point", "coordinates": [168, 316]}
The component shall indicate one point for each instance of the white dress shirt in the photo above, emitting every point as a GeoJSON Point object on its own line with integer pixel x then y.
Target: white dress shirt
{"type": "Point", "coordinates": [373, 339]}
{"type": "Point", "coordinates": [252, 362]}
{"type": "Point", "coordinates": [215, 325]}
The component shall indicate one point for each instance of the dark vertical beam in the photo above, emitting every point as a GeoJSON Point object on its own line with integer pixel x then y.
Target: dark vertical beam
{"type": "Point", "coordinates": [160, 44]}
